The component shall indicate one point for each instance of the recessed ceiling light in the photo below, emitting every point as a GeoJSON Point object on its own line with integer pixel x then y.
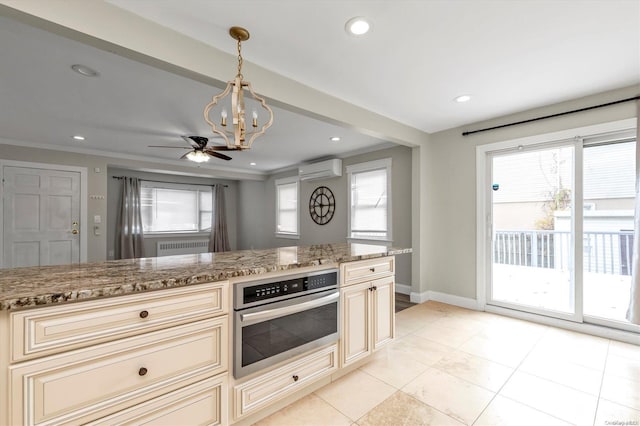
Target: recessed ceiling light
{"type": "Point", "coordinates": [78, 138]}
{"type": "Point", "coordinates": [462, 98]}
{"type": "Point", "coordinates": [335, 139]}
{"type": "Point", "coordinates": [252, 164]}
{"type": "Point", "coordinates": [84, 70]}
{"type": "Point", "coordinates": [357, 26]}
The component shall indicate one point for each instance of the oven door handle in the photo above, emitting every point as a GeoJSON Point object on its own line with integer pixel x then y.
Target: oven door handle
{"type": "Point", "coordinates": [269, 314]}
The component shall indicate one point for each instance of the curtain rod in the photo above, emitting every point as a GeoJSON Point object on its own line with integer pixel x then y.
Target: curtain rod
{"type": "Point", "coordinates": [173, 183]}
{"type": "Point", "coordinates": [550, 116]}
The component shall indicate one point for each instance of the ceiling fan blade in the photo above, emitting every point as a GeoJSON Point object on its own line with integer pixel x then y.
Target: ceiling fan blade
{"type": "Point", "coordinates": [221, 148]}
{"type": "Point", "coordinates": [217, 155]}
{"type": "Point", "coordinates": [167, 146]}
{"type": "Point", "coordinates": [190, 141]}
{"type": "Point", "coordinates": [196, 141]}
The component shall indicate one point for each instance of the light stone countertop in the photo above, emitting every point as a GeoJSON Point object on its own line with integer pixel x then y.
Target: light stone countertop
{"type": "Point", "coordinates": [36, 286]}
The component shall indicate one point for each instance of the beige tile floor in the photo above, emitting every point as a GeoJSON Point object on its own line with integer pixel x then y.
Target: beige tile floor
{"type": "Point", "coordinates": [453, 366]}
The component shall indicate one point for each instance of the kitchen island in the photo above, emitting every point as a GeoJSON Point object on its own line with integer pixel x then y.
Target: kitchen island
{"type": "Point", "coordinates": [73, 353]}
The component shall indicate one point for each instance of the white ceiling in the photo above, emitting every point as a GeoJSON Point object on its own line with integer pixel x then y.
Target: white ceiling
{"type": "Point", "coordinates": [130, 106]}
{"type": "Point", "coordinates": [509, 55]}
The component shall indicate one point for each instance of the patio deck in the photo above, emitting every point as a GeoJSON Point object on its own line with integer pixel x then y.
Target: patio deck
{"type": "Point", "coordinates": [605, 295]}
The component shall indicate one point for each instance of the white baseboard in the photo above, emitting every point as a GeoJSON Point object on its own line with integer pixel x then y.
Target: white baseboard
{"type": "Point", "coordinates": [403, 288]}
{"type": "Point", "coordinates": [419, 297]}
{"type": "Point", "coordinates": [450, 299]}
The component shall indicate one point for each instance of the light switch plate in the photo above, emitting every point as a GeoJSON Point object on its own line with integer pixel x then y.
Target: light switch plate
{"type": "Point", "coordinates": [97, 219]}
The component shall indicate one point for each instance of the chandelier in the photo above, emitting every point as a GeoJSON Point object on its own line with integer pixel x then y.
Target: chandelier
{"type": "Point", "coordinates": [232, 101]}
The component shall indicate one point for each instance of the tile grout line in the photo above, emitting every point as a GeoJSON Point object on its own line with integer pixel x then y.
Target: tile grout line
{"type": "Point", "coordinates": [414, 378]}
{"type": "Point", "coordinates": [332, 406]}
{"type": "Point", "coordinates": [606, 361]}
{"type": "Point", "coordinates": [517, 368]}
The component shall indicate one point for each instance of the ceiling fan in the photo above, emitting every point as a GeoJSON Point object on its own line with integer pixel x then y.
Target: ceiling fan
{"type": "Point", "coordinates": [199, 151]}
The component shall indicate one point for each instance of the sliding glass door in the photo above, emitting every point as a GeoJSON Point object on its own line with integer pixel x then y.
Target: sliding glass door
{"type": "Point", "coordinates": [609, 201]}
{"type": "Point", "coordinates": [532, 195]}
{"type": "Point", "coordinates": [562, 228]}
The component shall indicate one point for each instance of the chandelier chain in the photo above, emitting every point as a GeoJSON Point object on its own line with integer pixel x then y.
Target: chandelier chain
{"type": "Point", "coordinates": [240, 60]}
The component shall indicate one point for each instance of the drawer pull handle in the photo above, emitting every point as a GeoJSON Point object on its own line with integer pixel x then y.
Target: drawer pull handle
{"type": "Point", "coordinates": [372, 269]}
{"type": "Point", "coordinates": [144, 314]}
{"type": "Point", "coordinates": [142, 371]}
{"type": "Point", "coordinates": [295, 377]}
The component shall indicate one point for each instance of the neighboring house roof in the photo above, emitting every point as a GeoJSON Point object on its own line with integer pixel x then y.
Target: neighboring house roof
{"type": "Point", "coordinates": [609, 172]}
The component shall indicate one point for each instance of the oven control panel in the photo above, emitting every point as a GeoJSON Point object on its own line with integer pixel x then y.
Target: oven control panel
{"type": "Point", "coordinates": [275, 289]}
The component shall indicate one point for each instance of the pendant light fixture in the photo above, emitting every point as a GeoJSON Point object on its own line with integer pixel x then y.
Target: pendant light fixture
{"type": "Point", "coordinates": [231, 104]}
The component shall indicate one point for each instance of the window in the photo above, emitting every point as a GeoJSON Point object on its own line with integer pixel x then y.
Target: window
{"type": "Point", "coordinates": [174, 208]}
{"type": "Point", "coordinates": [370, 200]}
{"type": "Point", "coordinates": [287, 208]}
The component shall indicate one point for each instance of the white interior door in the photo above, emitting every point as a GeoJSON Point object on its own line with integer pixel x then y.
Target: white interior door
{"type": "Point", "coordinates": [41, 216]}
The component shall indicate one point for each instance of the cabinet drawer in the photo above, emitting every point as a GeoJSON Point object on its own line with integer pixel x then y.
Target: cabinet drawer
{"type": "Point", "coordinates": [45, 331]}
{"type": "Point", "coordinates": [364, 270]}
{"type": "Point", "coordinates": [89, 383]}
{"type": "Point", "coordinates": [273, 385]}
{"type": "Point", "coordinates": [203, 403]}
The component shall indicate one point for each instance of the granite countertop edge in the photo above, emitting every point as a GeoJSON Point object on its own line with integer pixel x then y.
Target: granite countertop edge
{"type": "Point", "coordinates": [49, 285]}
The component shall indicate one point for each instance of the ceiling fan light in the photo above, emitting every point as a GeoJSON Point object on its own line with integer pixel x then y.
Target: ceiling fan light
{"type": "Point", "coordinates": [197, 156]}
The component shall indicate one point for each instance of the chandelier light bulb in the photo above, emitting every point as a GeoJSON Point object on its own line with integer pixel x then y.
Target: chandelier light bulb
{"type": "Point", "coordinates": [254, 122]}
{"type": "Point", "coordinates": [223, 117]}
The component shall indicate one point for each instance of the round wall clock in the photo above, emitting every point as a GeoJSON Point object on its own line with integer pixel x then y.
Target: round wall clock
{"type": "Point", "coordinates": [322, 205]}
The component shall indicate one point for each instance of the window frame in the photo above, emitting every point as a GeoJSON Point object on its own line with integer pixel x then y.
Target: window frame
{"type": "Point", "coordinates": [198, 188]}
{"type": "Point", "coordinates": [288, 181]}
{"type": "Point", "coordinates": [370, 166]}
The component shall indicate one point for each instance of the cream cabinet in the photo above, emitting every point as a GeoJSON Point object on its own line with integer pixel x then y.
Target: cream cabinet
{"type": "Point", "coordinates": [146, 358]}
{"type": "Point", "coordinates": [55, 329]}
{"type": "Point", "coordinates": [368, 305]}
{"type": "Point", "coordinates": [203, 403]}
{"type": "Point", "coordinates": [265, 389]}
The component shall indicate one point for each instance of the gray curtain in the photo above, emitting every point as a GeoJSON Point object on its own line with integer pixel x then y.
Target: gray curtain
{"type": "Point", "coordinates": [633, 314]}
{"type": "Point", "coordinates": [218, 239]}
{"type": "Point", "coordinates": [129, 238]}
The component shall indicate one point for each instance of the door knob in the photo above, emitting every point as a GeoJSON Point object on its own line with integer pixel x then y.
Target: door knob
{"type": "Point", "coordinates": [75, 231]}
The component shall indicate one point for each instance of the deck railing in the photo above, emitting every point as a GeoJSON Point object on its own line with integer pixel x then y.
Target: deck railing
{"type": "Point", "coordinates": [604, 252]}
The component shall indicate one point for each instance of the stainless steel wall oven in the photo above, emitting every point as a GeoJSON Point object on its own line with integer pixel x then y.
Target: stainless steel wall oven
{"type": "Point", "coordinates": [276, 319]}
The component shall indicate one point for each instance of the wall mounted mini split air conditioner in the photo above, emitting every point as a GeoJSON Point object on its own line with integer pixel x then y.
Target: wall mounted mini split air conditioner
{"type": "Point", "coordinates": [321, 170]}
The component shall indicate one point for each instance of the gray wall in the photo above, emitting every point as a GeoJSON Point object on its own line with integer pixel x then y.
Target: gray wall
{"type": "Point", "coordinates": [451, 194]}
{"type": "Point", "coordinates": [114, 187]}
{"type": "Point", "coordinates": [256, 202]}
